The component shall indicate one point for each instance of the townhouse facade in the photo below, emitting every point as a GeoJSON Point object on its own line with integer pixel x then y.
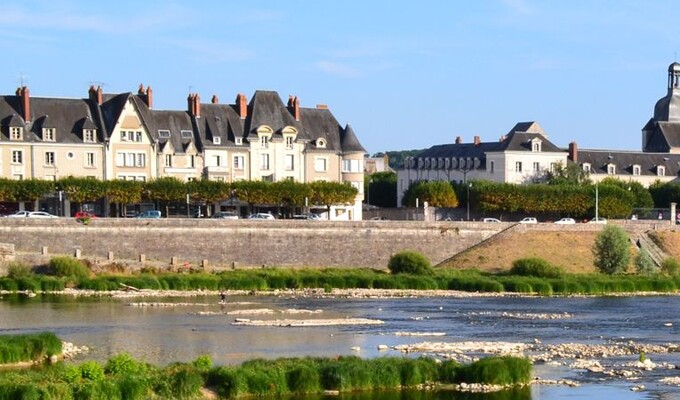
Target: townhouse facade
{"type": "Point", "coordinates": [121, 136]}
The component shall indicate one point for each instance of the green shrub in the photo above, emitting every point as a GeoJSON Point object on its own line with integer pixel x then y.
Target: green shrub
{"type": "Point", "coordinates": [124, 364]}
{"type": "Point", "coordinates": [644, 263]}
{"type": "Point", "coordinates": [409, 262]}
{"type": "Point", "coordinates": [534, 266]}
{"type": "Point", "coordinates": [185, 382]}
{"type": "Point", "coordinates": [504, 370]}
{"type": "Point", "coordinates": [203, 363]}
{"type": "Point", "coordinates": [611, 250]}
{"type": "Point", "coordinates": [17, 270]}
{"type": "Point", "coordinates": [670, 267]}
{"type": "Point", "coordinates": [304, 379]}
{"type": "Point", "coordinates": [228, 382]}
{"type": "Point", "coordinates": [91, 370]}
{"type": "Point", "coordinates": [69, 267]}
{"type": "Point", "coordinates": [448, 371]}
{"type": "Point", "coordinates": [30, 347]}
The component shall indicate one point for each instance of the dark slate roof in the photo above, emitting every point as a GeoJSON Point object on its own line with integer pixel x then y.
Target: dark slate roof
{"type": "Point", "coordinates": [521, 141]}
{"type": "Point", "coordinates": [112, 108]}
{"type": "Point", "coordinates": [219, 120]}
{"type": "Point", "coordinates": [349, 141]}
{"type": "Point", "coordinates": [319, 123]}
{"type": "Point", "coordinates": [662, 136]}
{"type": "Point", "coordinates": [266, 108]}
{"type": "Point", "coordinates": [175, 122]}
{"type": "Point", "coordinates": [67, 116]}
{"type": "Point", "coordinates": [624, 161]}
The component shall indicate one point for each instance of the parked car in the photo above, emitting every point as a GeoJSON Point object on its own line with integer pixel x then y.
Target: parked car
{"type": "Point", "coordinates": [149, 214]}
{"type": "Point", "coordinates": [225, 215]}
{"type": "Point", "coordinates": [495, 220]}
{"type": "Point", "coordinates": [19, 214]}
{"type": "Point", "coordinates": [314, 217]}
{"type": "Point", "coordinates": [261, 216]}
{"type": "Point", "coordinates": [599, 220]}
{"type": "Point", "coordinates": [565, 221]}
{"type": "Point", "coordinates": [528, 220]}
{"type": "Point", "coordinates": [40, 214]}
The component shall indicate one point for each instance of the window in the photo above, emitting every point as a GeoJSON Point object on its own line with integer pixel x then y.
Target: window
{"type": "Point", "coordinates": [89, 136]}
{"type": "Point", "coordinates": [16, 133]}
{"type": "Point", "coordinates": [492, 166]}
{"type": "Point", "coordinates": [17, 177]}
{"type": "Point", "coordinates": [636, 170]}
{"type": "Point", "coordinates": [321, 143]}
{"type": "Point", "coordinates": [289, 142]}
{"type": "Point", "coordinates": [238, 140]}
{"type": "Point", "coordinates": [661, 170]}
{"type": "Point", "coordinates": [123, 136]}
{"type": "Point", "coordinates": [90, 160]}
{"type": "Point", "coordinates": [537, 167]}
{"type": "Point", "coordinates": [536, 146]}
{"type": "Point", "coordinates": [320, 165]}
{"type": "Point", "coordinates": [217, 140]}
{"type": "Point", "coordinates": [264, 161]}
{"type": "Point", "coordinates": [586, 167]}
{"type": "Point", "coordinates": [130, 136]}
{"type": "Point", "coordinates": [48, 134]}
{"type": "Point", "coordinates": [553, 166]}
{"type": "Point", "coordinates": [163, 133]}
{"type": "Point", "coordinates": [264, 141]}
{"type": "Point", "coordinates": [518, 166]}
{"type": "Point", "coordinates": [49, 158]}
{"type": "Point", "coordinates": [17, 157]}
{"type": "Point", "coordinates": [138, 136]}
{"type": "Point", "coordinates": [192, 161]}
{"type": "Point", "coordinates": [238, 162]}
{"type": "Point", "coordinates": [130, 159]}
{"type": "Point", "coordinates": [186, 134]}
{"type": "Point", "coordinates": [217, 161]}
{"type": "Point", "coordinates": [168, 160]}
{"type": "Point", "coordinates": [290, 160]}
{"type": "Point", "coordinates": [611, 169]}
{"type": "Point", "coordinates": [352, 166]}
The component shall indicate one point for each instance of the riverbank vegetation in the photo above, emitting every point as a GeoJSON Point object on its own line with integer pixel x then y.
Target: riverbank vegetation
{"type": "Point", "coordinates": [123, 377]}
{"type": "Point", "coordinates": [29, 347]}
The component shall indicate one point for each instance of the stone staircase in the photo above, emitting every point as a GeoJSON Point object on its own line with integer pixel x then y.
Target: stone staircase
{"type": "Point", "coordinates": [502, 233]}
{"type": "Point", "coordinates": [643, 241]}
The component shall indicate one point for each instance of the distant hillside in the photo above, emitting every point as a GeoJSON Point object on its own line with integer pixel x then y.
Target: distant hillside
{"type": "Point", "coordinates": [397, 157]}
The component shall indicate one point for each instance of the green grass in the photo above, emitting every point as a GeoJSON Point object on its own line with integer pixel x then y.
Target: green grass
{"type": "Point", "coordinates": [30, 347]}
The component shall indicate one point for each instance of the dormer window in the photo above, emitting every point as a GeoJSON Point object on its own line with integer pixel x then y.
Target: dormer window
{"type": "Point", "coordinates": [48, 134]}
{"type": "Point", "coordinates": [321, 143]}
{"type": "Point", "coordinates": [264, 141]}
{"type": "Point", "coordinates": [238, 141]}
{"type": "Point", "coordinates": [89, 135]}
{"type": "Point", "coordinates": [16, 133]}
{"type": "Point", "coordinates": [660, 170]}
{"type": "Point", "coordinates": [536, 145]}
{"type": "Point", "coordinates": [585, 167]}
{"type": "Point", "coordinates": [611, 169]}
{"type": "Point", "coordinates": [217, 140]}
{"type": "Point", "coordinates": [164, 134]}
{"type": "Point", "coordinates": [186, 134]}
{"type": "Point", "coordinates": [289, 142]}
{"type": "Point", "coordinates": [636, 170]}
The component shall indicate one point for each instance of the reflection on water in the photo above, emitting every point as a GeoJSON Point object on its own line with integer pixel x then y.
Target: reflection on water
{"type": "Point", "coordinates": [515, 394]}
{"type": "Point", "coordinates": [161, 335]}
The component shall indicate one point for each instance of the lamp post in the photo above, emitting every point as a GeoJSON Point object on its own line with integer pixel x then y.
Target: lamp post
{"type": "Point", "coordinates": [468, 186]}
{"type": "Point", "coordinates": [597, 203]}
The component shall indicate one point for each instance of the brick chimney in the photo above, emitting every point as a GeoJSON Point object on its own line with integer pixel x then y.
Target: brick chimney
{"type": "Point", "coordinates": [194, 105]}
{"type": "Point", "coordinates": [321, 107]}
{"type": "Point", "coordinates": [294, 106]}
{"type": "Point", "coordinates": [96, 95]}
{"type": "Point", "coordinates": [478, 141]}
{"type": "Point", "coordinates": [146, 95]}
{"type": "Point", "coordinates": [215, 100]}
{"type": "Point", "coordinates": [573, 152]}
{"type": "Point", "coordinates": [25, 102]}
{"type": "Point", "coordinates": [242, 105]}
{"type": "Point", "coordinates": [459, 140]}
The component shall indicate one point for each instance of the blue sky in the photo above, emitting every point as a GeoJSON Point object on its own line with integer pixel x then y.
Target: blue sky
{"type": "Point", "coordinates": [404, 74]}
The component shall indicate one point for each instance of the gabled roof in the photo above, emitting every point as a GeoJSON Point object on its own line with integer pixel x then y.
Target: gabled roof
{"type": "Point", "coordinates": [219, 120]}
{"type": "Point", "coordinates": [319, 123]}
{"type": "Point", "coordinates": [624, 161]}
{"type": "Point", "coordinates": [175, 122]}
{"type": "Point", "coordinates": [266, 108]}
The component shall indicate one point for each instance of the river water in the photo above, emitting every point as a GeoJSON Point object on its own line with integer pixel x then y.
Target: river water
{"type": "Point", "coordinates": [200, 325]}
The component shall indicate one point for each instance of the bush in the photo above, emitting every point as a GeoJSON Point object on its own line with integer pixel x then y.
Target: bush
{"type": "Point", "coordinates": [124, 364]}
{"type": "Point", "coordinates": [644, 263]}
{"type": "Point", "coordinates": [534, 266]}
{"type": "Point", "coordinates": [17, 270]}
{"type": "Point", "coordinates": [611, 250]}
{"type": "Point", "coordinates": [410, 262]}
{"type": "Point", "coordinates": [69, 267]}
{"type": "Point", "coordinates": [670, 267]}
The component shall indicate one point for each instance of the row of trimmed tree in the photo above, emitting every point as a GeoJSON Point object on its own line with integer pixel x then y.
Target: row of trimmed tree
{"type": "Point", "coordinates": [284, 194]}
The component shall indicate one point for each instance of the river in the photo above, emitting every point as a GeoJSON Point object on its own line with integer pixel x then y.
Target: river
{"type": "Point", "coordinates": [200, 325]}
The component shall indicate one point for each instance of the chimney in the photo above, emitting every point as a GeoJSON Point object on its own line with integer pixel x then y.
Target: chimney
{"type": "Point", "coordinates": [96, 95]}
{"type": "Point", "coordinates": [215, 100]}
{"type": "Point", "coordinates": [573, 152]}
{"type": "Point", "coordinates": [321, 107]}
{"type": "Point", "coordinates": [242, 105]}
{"type": "Point", "coordinates": [459, 140]}
{"type": "Point", "coordinates": [194, 103]}
{"type": "Point", "coordinates": [294, 106]}
{"type": "Point", "coordinates": [477, 141]}
{"type": "Point", "coordinates": [25, 102]}
{"type": "Point", "coordinates": [146, 95]}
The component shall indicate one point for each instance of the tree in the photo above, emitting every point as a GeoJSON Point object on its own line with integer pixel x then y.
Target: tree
{"type": "Point", "coordinates": [664, 193]}
{"type": "Point", "coordinates": [641, 197]}
{"type": "Point", "coordinates": [571, 174]}
{"type": "Point", "coordinates": [611, 250]}
{"type": "Point", "coordinates": [208, 191]}
{"type": "Point", "coordinates": [122, 193]}
{"type": "Point", "coordinates": [332, 193]}
{"type": "Point", "coordinates": [644, 263]}
{"type": "Point", "coordinates": [253, 192]}
{"type": "Point", "coordinates": [435, 193]}
{"type": "Point", "coordinates": [409, 262]}
{"type": "Point", "coordinates": [82, 190]}
{"type": "Point", "coordinates": [381, 189]}
{"type": "Point", "coordinates": [290, 194]}
{"type": "Point", "coordinates": [33, 190]}
{"type": "Point", "coordinates": [8, 189]}
{"type": "Point", "coordinates": [165, 190]}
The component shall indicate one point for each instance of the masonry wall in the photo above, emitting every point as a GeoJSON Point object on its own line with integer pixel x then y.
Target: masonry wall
{"type": "Point", "coordinates": [247, 242]}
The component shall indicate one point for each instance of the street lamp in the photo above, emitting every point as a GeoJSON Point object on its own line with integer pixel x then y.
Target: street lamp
{"type": "Point", "coordinates": [597, 203]}
{"type": "Point", "coordinates": [468, 186]}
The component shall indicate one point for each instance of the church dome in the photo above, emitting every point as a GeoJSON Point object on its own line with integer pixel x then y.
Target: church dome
{"type": "Point", "coordinates": [668, 107]}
